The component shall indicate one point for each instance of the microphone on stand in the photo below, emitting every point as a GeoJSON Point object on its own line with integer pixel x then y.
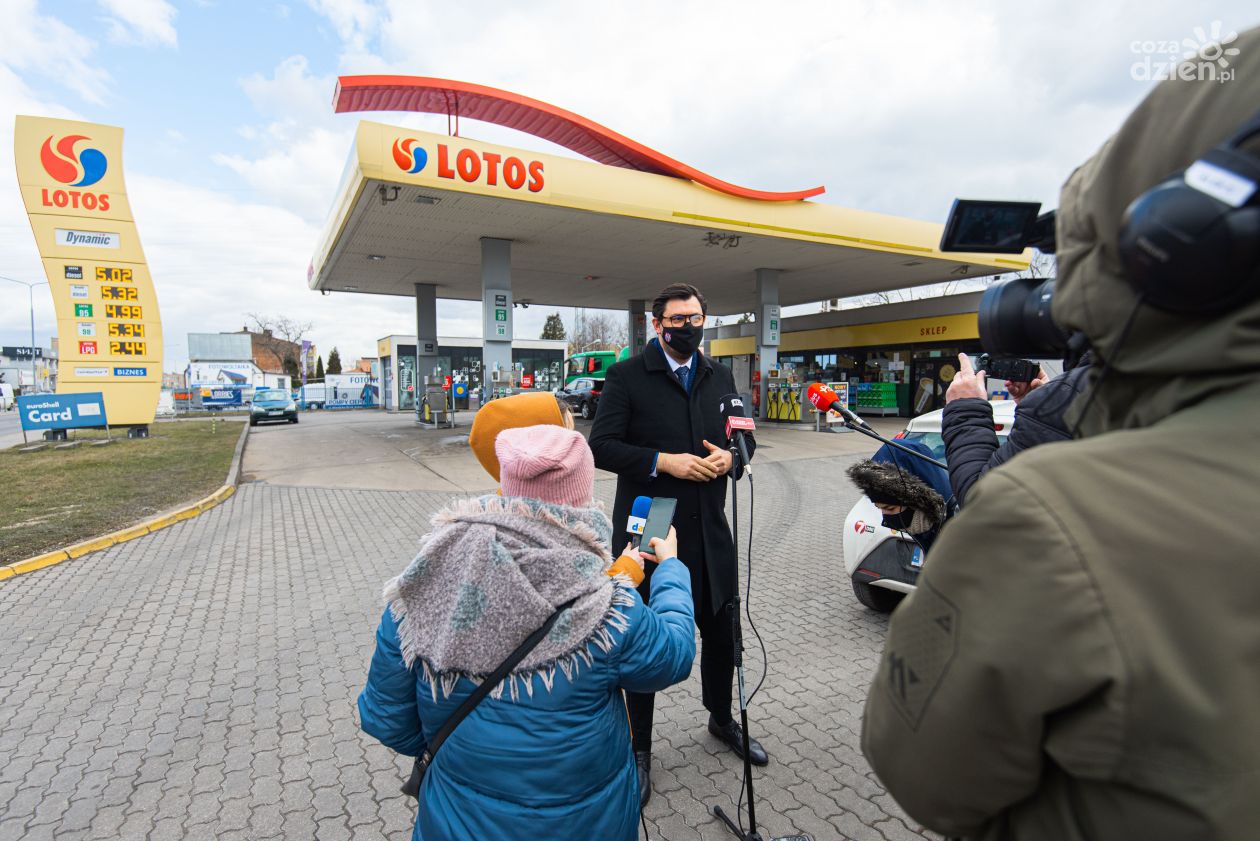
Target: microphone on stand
{"type": "Point", "coordinates": [638, 519]}
{"type": "Point", "coordinates": [732, 409]}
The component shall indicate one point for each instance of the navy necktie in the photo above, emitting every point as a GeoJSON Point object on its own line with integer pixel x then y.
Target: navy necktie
{"type": "Point", "coordinates": [681, 372]}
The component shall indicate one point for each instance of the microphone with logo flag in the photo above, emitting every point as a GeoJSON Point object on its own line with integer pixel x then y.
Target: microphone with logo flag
{"type": "Point", "coordinates": [737, 423]}
{"type": "Point", "coordinates": [638, 519]}
{"type": "Point", "coordinates": [825, 399]}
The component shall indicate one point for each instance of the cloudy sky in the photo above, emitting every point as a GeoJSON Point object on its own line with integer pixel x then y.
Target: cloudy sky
{"type": "Point", "coordinates": [233, 152]}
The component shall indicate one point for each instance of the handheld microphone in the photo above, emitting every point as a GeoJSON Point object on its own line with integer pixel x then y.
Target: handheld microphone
{"type": "Point", "coordinates": [825, 399]}
{"type": "Point", "coordinates": [638, 519]}
{"type": "Point", "coordinates": [732, 408]}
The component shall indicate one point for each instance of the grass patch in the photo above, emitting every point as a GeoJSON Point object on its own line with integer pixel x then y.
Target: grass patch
{"type": "Point", "coordinates": [52, 498]}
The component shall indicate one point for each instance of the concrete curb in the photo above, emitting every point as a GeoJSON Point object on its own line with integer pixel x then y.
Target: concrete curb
{"type": "Point", "coordinates": [161, 521]}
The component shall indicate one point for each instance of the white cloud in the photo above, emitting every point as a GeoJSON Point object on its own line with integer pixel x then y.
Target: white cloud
{"type": "Point", "coordinates": [32, 44]}
{"type": "Point", "coordinates": [304, 147]}
{"type": "Point", "coordinates": [145, 22]}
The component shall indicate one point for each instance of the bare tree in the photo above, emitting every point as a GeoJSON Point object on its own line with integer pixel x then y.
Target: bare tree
{"type": "Point", "coordinates": [280, 326]}
{"type": "Point", "coordinates": [598, 332]}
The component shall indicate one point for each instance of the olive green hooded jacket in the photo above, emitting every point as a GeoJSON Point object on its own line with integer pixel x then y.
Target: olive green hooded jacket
{"type": "Point", "coordinates": [1081, 659]}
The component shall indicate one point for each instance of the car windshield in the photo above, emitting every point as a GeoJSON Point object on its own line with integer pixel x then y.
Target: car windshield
{"type": "Point", "coordinates": [270, 396]}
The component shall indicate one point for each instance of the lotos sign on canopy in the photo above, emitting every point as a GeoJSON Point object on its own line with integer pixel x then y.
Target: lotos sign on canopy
{"type": "Point", "coordinates": [472, 166]}
{"type": "Point", "coordinates": [62, 411]}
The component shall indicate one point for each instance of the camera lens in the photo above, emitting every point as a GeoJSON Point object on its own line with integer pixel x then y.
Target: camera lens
{"type": "Point", "coordinates": [1015, 319]}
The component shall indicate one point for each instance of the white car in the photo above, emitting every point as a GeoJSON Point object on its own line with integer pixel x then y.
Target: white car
{"type": "Point", "coordinates": [882, 563]}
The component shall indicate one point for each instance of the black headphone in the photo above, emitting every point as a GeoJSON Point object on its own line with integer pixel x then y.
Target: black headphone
{"type": "Point", "coordinates": [1191, 244]}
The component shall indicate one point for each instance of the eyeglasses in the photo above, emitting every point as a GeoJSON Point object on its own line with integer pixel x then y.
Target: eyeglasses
{"type": "Point", "coordinates": [681, 320]}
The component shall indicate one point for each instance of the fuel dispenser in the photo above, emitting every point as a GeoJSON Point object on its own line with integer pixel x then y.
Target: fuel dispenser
{"type": "Point", "coordinates": [435, 407]}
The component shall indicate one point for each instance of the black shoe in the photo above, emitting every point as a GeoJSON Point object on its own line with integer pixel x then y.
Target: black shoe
{"type": "Point", "coordinates": [733, 735]}
{"type": "Point", "coordinates": [643, 760]}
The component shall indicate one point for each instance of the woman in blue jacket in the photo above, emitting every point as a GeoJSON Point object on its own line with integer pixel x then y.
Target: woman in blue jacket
{"type": "Point", "coordinates": [547, 753]}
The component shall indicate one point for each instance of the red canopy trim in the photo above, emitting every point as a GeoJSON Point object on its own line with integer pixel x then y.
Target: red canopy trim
{"type": "Point", "coordinates": [491, 105]}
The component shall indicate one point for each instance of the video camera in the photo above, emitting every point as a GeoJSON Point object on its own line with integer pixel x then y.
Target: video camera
{"type": "Point", "coordinates": [1008, 368]}
{"type": "Point", "coordinates": [1015, 315]}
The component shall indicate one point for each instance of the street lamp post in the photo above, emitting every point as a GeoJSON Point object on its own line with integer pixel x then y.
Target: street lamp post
{"type": "Point", "coordinates": [30, 289]}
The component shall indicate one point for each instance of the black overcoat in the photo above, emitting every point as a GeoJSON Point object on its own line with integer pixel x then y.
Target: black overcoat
{"type": "Point", "coordinates": [644, 410]}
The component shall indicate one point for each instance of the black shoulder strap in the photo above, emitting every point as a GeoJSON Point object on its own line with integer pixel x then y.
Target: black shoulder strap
{"type": "Point", "coordinates": [486, 686]}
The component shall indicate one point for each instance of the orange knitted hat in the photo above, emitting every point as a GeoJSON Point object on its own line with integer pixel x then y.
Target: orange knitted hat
{"type": "Point", "coordinates": [509, 413]}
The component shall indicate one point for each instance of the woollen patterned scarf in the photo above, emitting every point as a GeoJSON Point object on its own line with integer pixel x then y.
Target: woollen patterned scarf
{"type": "Point", "coordinates": [489, 574]}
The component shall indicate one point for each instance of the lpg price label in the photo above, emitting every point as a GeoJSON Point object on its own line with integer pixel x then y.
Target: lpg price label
{"type": "Point", "coordinates": [127, 348]}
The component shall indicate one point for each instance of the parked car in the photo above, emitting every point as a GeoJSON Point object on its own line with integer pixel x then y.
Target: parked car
{"type": "Point", "coordinates": [272, 404]}
{"type": "Point", "coordinates": [883, 564]}
{"type": "Point", "coordinates": [582, 395]}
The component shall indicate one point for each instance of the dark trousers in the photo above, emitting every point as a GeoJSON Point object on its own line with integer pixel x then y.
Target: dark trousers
{"type": "Point", "coordinates": [717, 666]}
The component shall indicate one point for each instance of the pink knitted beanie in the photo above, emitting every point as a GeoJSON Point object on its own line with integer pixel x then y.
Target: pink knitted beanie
{"type": "Point", "coordinates": [547, 463]}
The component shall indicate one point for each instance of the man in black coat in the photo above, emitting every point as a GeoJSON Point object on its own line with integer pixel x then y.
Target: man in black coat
{"type": "Point", "coordinates": [660, 429]}
{"type": "Point", "coordinates": [971, 444]}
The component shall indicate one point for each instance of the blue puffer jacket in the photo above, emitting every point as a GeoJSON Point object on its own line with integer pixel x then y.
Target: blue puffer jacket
{"type": "Point", "coordinates": [554, 765]}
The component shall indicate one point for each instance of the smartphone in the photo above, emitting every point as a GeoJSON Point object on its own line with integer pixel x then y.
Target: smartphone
{"type": "Point", "coordinates": [660, 517]}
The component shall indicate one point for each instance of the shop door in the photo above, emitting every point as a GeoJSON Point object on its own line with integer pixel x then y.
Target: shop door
{"type": "Point", "coordinates": [928, 381]}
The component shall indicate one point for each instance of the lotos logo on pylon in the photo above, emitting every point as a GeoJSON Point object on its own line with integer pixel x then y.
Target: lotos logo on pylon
{"type": "Point", "coordinates": [77, 169]}
{"type": "Point", "coordinates": [409, 157]}
{"type": "Point", "coordinates": [63, 164]}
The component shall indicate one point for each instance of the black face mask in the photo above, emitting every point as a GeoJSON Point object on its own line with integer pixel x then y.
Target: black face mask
{"type": "Point", "coordinates": [901, 521]}
{"type": "Point", "coordinates": [683, 340]}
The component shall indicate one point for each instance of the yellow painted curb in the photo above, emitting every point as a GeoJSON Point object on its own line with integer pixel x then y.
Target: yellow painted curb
{"type": "Point", "coordinates": [78, 550]}
{"type": "Point", "coordinates": [130, 534]}
{"type": "Point", "coordinates": [159, 522]}
{"type": "Point", "coordinates": [38, 562]}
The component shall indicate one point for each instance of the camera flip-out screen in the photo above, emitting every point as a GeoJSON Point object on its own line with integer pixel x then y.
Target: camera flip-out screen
{"type": "Point", "coordinates": [990, 227]}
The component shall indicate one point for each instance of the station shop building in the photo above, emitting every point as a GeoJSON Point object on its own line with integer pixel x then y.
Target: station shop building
{"type": "Point", "coordinates": [402, 380]}
{"type": "Point", "coordinates": [913, 345]}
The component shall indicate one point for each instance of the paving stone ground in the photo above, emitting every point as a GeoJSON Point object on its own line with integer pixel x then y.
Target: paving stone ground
{"type": "Point", "coordinates": [201, 682]}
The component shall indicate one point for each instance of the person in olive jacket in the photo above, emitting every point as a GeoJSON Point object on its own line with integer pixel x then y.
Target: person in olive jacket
{"type": "Point", "coordinates": [1079, 661]}
{"type": "Point", "coordinates": [660, 429]}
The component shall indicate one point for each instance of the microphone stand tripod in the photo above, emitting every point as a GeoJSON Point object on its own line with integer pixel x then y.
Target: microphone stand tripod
{"type": "Point", "coordinates": [738, 637]}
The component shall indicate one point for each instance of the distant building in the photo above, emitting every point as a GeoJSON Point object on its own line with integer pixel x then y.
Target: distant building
{"type": "Point", "coordinates": [16, 368]}
{"type": "Point", "coordinates": [270, 352]}
{"type": "Point", "coordinates": [174, 380]}
{"type": "Point", "coordinates": [363, 366]}
{"type": "Point", "coordinates": [226, 359]}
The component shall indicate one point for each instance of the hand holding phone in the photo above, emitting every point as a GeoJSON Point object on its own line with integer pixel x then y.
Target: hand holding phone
{"type": "Point", "coordinates": [659, 527]}
{"type": "Point", "coordinates": [662, 547]}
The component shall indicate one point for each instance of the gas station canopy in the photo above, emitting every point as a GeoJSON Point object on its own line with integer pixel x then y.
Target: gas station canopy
{"type": "Point", "coordinates": [414, 206]}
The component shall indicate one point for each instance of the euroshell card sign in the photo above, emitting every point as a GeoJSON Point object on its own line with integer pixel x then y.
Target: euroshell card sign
{"type": "Point", "coordinates": [62, 411]}
{"type": "Point", "coordinates": [109, 330]}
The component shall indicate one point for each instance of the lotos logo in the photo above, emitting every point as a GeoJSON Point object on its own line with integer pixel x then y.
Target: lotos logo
{"type": "Point", "coordinates": [489, 168]}
{"type": "Point", "coordinates": [65, 165]}
{"type": "Point", "coordinates": [88, 166]}
{"type": "Point", "coordinates": [409, 157]}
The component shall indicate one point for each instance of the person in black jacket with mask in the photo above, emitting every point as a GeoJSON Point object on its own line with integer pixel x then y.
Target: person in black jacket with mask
{"type": "Point", "coordinates": [971, 444]}
{"type": "Point", "coordinates": [660, 429]}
